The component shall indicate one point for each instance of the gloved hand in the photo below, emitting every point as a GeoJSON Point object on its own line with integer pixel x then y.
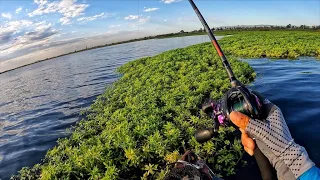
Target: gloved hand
{"type": "Point", "coordinates": [273, 137]}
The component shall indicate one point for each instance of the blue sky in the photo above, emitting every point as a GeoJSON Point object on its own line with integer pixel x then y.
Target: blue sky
{"type": "Point", "coordinates": [38, 29]}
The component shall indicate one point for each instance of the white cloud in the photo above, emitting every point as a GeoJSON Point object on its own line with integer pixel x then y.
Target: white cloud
{"type": "Point", "coordinates": [137, 20]}
{"type": "Point", "coordinates": [150, 9]}
{"type": "Point", "coordinates": [169, 1]}
{"type": "Point", "coordinates": [18, 10]}
{"type": "Point", "coordinates": [65, 20]}
{"type": "Point", "coordinates": [6, 15]}
{"type": "Point", "coordinates": [91, 18]}
{"type": "Point", "coordinates": [68, 8]}
{"type": "Point", "coordinates": [39, 36]}
{"type": "Point", "coordinates": [40, 2]}
{"type": "Point", "coordinates": [43, 27]}
{"type": "Point", "coordinates": [40, 23]}
{"type": "Point", "coordinates": [114, 25]}
{"type": "Point", "coordinates": [143, 20]}
{"type": "Point", "coordinates": [132, 17]}
{"type": "Point", "coordinates": [8, 29]}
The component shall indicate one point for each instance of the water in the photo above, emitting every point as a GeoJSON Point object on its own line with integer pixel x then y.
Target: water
{"type": "Point", "coordinates": [294, 86]}
{"type": "Point", "coordinates": [38, 102]}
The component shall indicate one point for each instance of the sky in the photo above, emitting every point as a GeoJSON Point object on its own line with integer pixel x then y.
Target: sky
{"type": "Point", "coordinates": [31, 30]}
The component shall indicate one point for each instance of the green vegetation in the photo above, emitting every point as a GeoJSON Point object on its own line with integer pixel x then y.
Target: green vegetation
{"type": "Point", "coordinates": [138, 127]}
{"type": "Point", "coordinates": [273, 44]}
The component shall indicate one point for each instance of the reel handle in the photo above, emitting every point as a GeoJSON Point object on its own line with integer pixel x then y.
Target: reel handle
{"type": "Point", "coordinates": [205, 135]}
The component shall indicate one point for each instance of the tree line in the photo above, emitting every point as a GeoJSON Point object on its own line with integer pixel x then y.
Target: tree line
{"type": "Point", "coordinates": [257, 27]}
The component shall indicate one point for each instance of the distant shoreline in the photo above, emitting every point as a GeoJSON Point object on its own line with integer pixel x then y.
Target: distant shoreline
{"type": "Point", "coordinates": [164, 36]}
{"type": "Point", "coordinates": [112, 44]}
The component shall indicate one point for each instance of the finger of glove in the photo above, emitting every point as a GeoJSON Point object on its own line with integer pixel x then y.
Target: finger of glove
{"type": "Point", "coordinates": [239, 119]}
{"type": "Point", "coordinates": [252, 126]}
{"type": "Point", "coordinates": [247, 141]}
{"type": "Point", "coordinates": [258, 129]}
{"type": "Point", "coordinates": [249, 151]}
{"type": "Point", "coordinates": [274, 128]}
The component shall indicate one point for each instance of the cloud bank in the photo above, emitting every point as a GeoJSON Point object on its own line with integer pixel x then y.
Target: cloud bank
{"type": "Point", "coordinates": [67, 8]}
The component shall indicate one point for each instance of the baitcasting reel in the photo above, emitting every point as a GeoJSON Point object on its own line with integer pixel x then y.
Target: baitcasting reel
{"type": "Point", "coordinates": [239, 99]}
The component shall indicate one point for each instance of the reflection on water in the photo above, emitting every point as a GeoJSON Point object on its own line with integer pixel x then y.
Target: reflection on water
{"type": "Point", "coordinates": [40, 101]}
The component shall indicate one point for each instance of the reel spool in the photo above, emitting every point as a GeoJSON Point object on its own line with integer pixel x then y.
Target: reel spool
{"type": "Point", "coordinates": [242, 100]}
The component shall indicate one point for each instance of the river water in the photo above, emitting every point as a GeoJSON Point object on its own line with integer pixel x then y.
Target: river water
{"type": "Point", "coordinates": [38, 102]}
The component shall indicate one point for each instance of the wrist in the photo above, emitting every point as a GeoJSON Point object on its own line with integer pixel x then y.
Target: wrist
{"type": "Point", "coordinates": [297, 159]}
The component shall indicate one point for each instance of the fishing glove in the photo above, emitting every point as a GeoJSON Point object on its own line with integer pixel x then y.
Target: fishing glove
{"type": "Point", "coordinates": [273, 137]}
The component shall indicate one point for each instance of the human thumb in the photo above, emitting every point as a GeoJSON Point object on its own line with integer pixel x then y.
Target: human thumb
{"type": "Point", "coordinates": [239, 119]}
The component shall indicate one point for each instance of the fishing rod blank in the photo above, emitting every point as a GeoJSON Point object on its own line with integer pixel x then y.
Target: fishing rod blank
{"type": "Point", "coordinates": [233, 80]}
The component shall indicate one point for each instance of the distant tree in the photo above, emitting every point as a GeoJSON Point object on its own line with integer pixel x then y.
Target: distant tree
{"type": "Point", "coordinates": [212, 29]}
{"type": "Point", "coordinates": [200, 30]}
{"type": "Point", "coordinates": [305, 27]}
{"type": "Point", "coordinates": [182, 31]}
{"type": "Point", "coordinates": [289, 26]}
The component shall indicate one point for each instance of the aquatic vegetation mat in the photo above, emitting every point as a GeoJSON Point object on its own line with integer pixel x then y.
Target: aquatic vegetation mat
{"type": "Point", "coordinates": [139, 126]}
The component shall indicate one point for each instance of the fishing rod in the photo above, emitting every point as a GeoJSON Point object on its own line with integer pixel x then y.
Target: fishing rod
{"type": "Point", "coordinates": [233, 80]}
{"type": "Point", "coordinates": [238, 98]}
